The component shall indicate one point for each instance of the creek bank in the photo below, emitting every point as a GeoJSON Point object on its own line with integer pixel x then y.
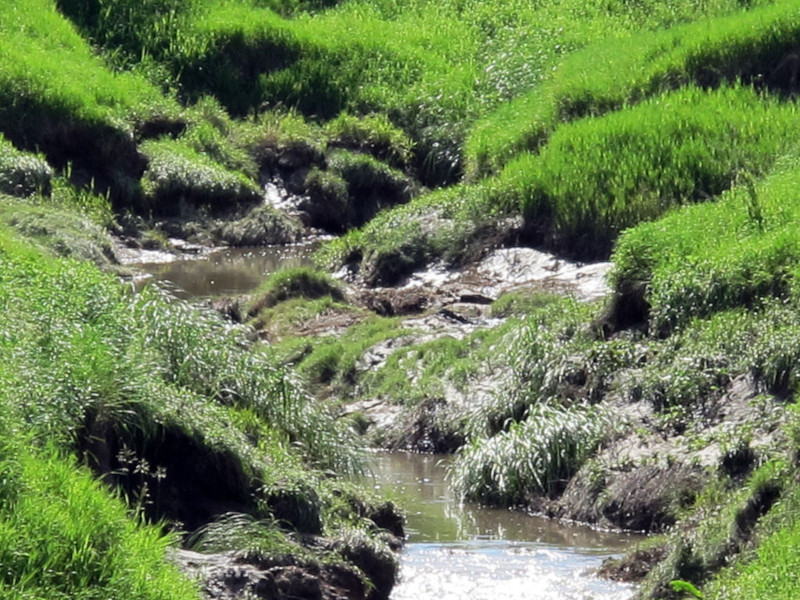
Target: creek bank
{"type": "Point", "coordinates": [235, 575]}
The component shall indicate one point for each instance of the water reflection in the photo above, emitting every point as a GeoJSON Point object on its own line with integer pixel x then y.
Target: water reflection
{"type": "Point", "coordinates": [465, 551]}
{"type": "Point", "coordinates": [226, 271]}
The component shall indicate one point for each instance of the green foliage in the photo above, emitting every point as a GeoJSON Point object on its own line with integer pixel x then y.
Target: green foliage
{"type": "Point", "coordinates": [422, 371]}
{"type": "Point", "coordinates": [678, 585]}
{"type": "Point", "coordinates": [617, 71]}
{"type": "Point", "coordinates": [333, 359]}
{"type": "Point", "coordinates": [296, 282]}
{"type": "Point", "coordinates": [720, 531]}
{"type": "Point", "coordinates": [536, 456]}
{"type": "Point", "coordinates": [21, 173]}
{"type": "Point", "coordinates": [522, 303]}
{"type": "Point", "coordinates": [596, 177]}
{"type": "Point", "coordinates": [248, 537]}
{"type": "Point", "coordinates": [449, 224]}
{"type": "Point", "coordinates": [58, 97]}
{"type": "Point", "coordinates": [57, 228]}
{"type": "Point", "coordinates": [180, 175]}
{"type": "Point", "coordinates": [64, 536]}
{"type": "Point", "coordinates": [373, 134]}
{"type": "Point", "coordinates": [712, 257]}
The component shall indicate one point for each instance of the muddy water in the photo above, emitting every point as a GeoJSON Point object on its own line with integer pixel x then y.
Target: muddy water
{"type": "Point", "coordinates": [226, 271]}
{"type": "Point", "coordinates": [459, 552]}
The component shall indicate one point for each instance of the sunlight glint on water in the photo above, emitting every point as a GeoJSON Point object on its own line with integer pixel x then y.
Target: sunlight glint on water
{"type": "Point", "coordinates": [457, 552]}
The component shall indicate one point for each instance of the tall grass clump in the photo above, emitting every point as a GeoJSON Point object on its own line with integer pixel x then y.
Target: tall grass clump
{"type": "Point", "coordinates": [711, 257]}
{"type": "Point", "coordinates": [22, 173]}
{"type": "Point", "coordinates": [296, 282]}
{"type": "Point", "coordinates": [755, 46]}
{"type": "Point", "coordinates": [534, 457]}
{"type": "Point", "coordinates": [596, 177]}
{"type": "Point", "coordinates": [179, 176]}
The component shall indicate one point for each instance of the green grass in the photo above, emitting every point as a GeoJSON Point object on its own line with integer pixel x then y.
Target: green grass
{"type": "Point", "coordinates": [433, 67]}
{"type": "Point", "coordinates": [21, 173]}
{"type": "Point", "coordinates": [128, 383]}
{"type": "Point", "coordinates": [62, 535]}
{"type": "Point", "coordinates": [59, 98]}
{"type": "Point", "coordinates": [179, 177]}
{"type": "Point", "coordinates": [712, 257]}
{"type": "Point", "coordinates": [296, 282]}
{"type": "Point", "coordinates": [622, 70]}
{"type": "Point", "coordinates": [536, 456]}
{"type": "Point", "coordinates": [57, 226]}
{"type": "Point", "coordinates": [451, 224]}
{"type": "Point", "coordinates": [598, 176]}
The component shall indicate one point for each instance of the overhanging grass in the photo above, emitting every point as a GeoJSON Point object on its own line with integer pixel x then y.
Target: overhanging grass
{"type": "Point", "coordinates": [536, 456]}
{"type": "Point", "coordinates": [751, 45]}
{"type": "Point", "coordinates": [59, 97]}
{"type": "Point", "coordinates": [598, 176]}
{"type": "Point", "coordinates": [22, 173]}
{"type": "Point", "coordinates": [711, 257]}
{"type": "Point", "coordinates": [178, 176]}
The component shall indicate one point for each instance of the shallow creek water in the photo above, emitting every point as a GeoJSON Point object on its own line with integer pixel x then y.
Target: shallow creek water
{"type": "Point", "coordinates": [227, 271]}
{"type": "Point", "coordinates": [453, 551]}
{"type": "Point", "coordinates": [460, 552]}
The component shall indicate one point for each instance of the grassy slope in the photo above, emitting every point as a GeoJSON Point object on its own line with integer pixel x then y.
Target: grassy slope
{"type": "Point", "coordinates": [434, 69]}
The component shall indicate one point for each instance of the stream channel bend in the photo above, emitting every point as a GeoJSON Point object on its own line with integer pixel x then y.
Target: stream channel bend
{"type": "Point", "coordinates": [454, 551]}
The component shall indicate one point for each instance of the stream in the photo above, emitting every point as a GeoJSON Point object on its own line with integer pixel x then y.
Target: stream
{"type": "Point", "coordinates": [459, 552]}
{"type": "Point", "coordinates": [224, 271]}
{"type": "Point", "coordinates": [454, 551]}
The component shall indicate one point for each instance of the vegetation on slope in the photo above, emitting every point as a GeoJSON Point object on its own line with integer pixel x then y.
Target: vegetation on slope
{"type": "Point", "coordinates": [169, 406]}
{"type": "Point", "coordinates": [658, 133]}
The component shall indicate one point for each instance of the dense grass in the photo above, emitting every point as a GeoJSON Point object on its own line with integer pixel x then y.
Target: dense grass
{"type": "Point", "coordinates": [752, 45]}
{"type": "Point", "coordinates": [59, 98]}
{"type": "Point", "coordinates": [450, 225]}
{"type": "Point", "coordinates": [433, 67]}
{"type": "Point", "coordinates": [22, 173]}
{"type": "Point", "coordinates": [179, 178]}
{"type": "Point", "coordinates": [717, 256]}
{"type": "Point", "coordinates": [64, 536]}
{"type": "Point", "coordinates": [132, 385]}
{"type": "Point", "coordinates": [593, 179]}
{"type": "Point", "coordinates": [596, 177]}
{"type": "Point", "coordinates": [297, 282]}
{"type": "Point", "coordinates": [58, 226]}
{"type": "Point", "coordinates": [536, 456]}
